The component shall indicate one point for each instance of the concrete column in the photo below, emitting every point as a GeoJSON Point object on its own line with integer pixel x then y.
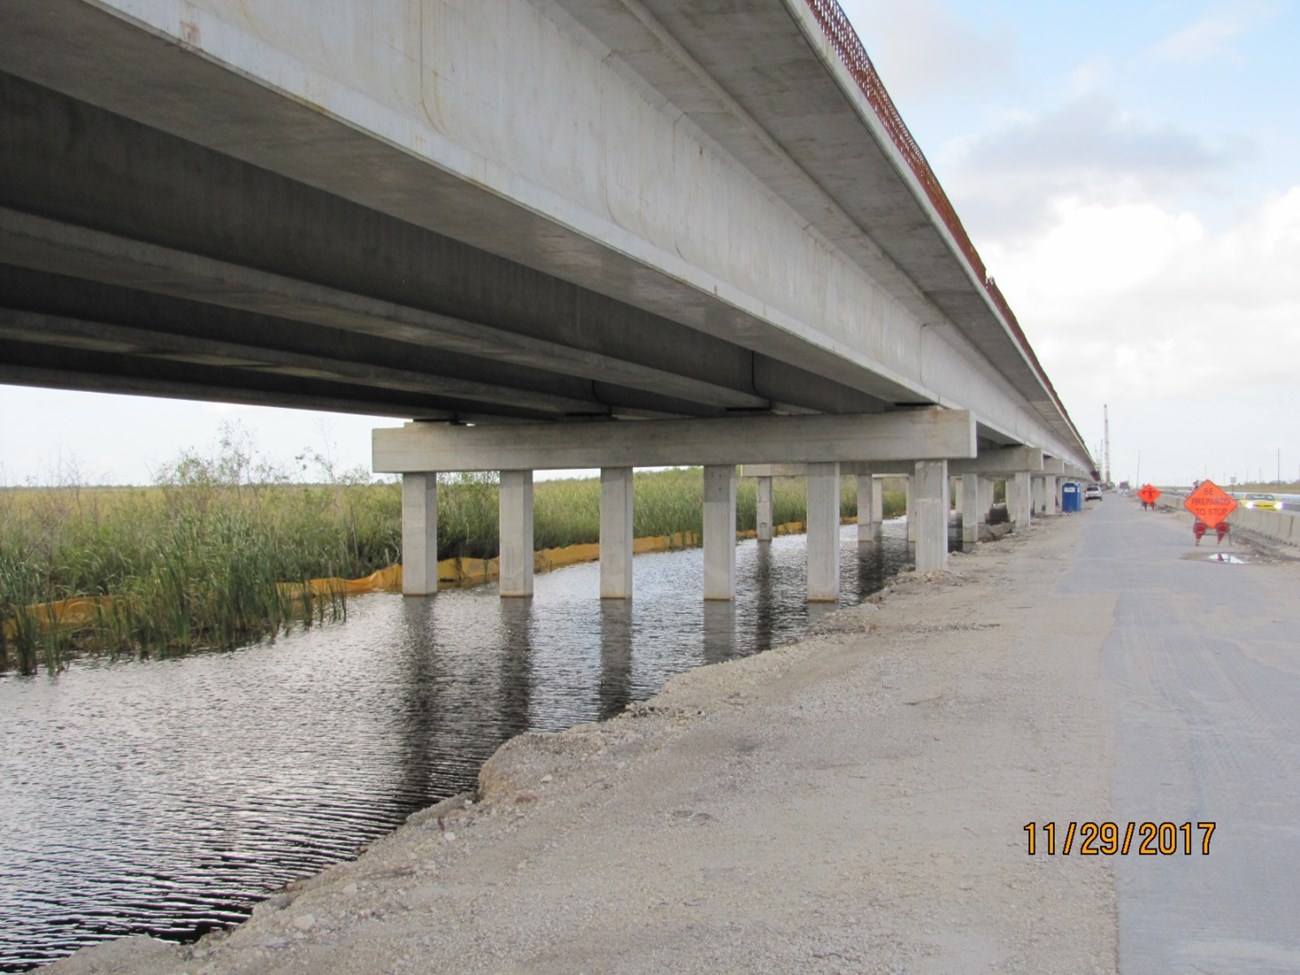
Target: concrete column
{"type": "Point", "coordinates": [911, 510]}
{"type": "Point", "coordinates": [1051, 498]}
{"type": "Point", "coordinates": [987, 487]}
{"type": "Point", "coordinates": [972, 515]}
{"type": "Point", "coordinates": [930, 493]}
{"type": "Point", "coordinates": [719, 532]}
{"type": "Point", "coordinates": [764, 514]}
{"type": "Point", "coordinates": [1039, 493]}
{"type": "Point", "coordinates": [1020, 500]}
{"type": "Point", "coordinates": [869, 508]}
{"type": "Point", "coordinates": [616, 533]}
{"type": "Point", "coordinates": [878, 502]}
{"type": "Point", "coordinates": [419, 534]}
{"type": "Point", "coordinates": [516, 533]}
{"type": "Point", "coordinates": [823, 533]}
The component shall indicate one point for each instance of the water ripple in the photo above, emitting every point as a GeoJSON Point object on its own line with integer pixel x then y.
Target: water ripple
{"type": "Point", "coordinates": [168, 797]}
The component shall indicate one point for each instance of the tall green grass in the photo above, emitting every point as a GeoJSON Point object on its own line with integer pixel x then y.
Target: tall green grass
{"type": "Point", "coordinates": [194, 561]}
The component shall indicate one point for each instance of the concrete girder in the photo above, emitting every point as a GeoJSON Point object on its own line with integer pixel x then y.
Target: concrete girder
{"type": "Point", "coordinates": [45, 245]}
{"type": "Point", "coordinates": [1001, 461]}
{"type": "Point", "coordinates": [186, 350]}
{"type": "Point", "coordinates": [347, 117]}
{"type": "Point", "coordinates": [649, 443]}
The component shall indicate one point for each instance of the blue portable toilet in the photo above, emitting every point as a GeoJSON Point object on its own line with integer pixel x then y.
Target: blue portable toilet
{"type": "Point", "coordinates": [1071, 497]}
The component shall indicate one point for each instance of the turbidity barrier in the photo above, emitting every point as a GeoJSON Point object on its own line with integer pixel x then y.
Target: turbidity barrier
{"type": "Point", "coordinates": [83, 611]}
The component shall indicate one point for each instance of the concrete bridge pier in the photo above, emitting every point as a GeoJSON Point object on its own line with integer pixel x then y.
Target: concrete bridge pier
{"type": "Point", "coordinates": [720, 531]}
{"type": "Point", "coordinates": [1039, 495]}
{"type": "Point", "coordinates": [823, 533]}
{"type": "Point", "coordinates": [419, 534]}
{"type": "Point", "coordinates": [1020, 501]}
{"type": "Point", "coordinates": [988, 490]}
{"type": "Point", "coordinates": [910, 483]}
{"type": "Point", "coordinates": [763, 521]}
{"type": "Point", "coordinates": [616, 533]}
{"type": "Point", "coordinates": [871, 508]}
{"type": "Point", "coordinates": [930, 494]}
{"type": "Point", "coordinates": [516, 533]}
{"type": "Point", "coordinates": [972, 514]}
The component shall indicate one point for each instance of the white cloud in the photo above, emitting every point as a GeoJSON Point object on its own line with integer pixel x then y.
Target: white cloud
{"type": "Point", "coordinates": [1010, 178]}
{"type": "Point", "coordinates": [924, 53]}
{"type": "Point", "coordinates": [1146, 303]}
{"type": "Point", "coordinates": [1210, 38]}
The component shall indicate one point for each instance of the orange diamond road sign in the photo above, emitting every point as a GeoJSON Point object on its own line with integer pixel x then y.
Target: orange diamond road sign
{"type": "Point", "coordinates": [1149, 493]}
{"type": "Point", "coordinates": [1210, 503]}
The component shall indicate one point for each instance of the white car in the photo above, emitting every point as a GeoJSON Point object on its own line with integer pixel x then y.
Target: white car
{"type": "Point", "coordinates": [1092, 492]}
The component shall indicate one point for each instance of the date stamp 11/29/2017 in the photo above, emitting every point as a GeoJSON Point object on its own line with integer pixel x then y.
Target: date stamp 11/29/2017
{"type": "Point", "coordinates": [1109, 839]}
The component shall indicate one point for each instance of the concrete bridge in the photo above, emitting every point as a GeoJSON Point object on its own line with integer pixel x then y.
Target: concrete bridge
{"type": "Point", "coordinates": [552, 233]}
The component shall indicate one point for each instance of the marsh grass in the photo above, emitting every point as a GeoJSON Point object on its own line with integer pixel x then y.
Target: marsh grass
{"type": "Point", "coordinates": [198, 560]}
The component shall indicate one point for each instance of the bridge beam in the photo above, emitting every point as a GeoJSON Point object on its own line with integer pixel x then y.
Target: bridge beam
{"type": "Point", "coordinates": [1001, 460]}
{"type": "Point", "coordinates": [926, 434]}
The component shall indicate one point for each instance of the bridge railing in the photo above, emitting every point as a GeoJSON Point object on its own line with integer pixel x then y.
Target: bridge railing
{"type": "Point", "coordinates": [839, 31]}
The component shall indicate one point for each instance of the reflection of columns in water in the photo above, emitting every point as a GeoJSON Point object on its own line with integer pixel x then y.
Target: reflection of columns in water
{"type": "Point", "coordinates": [871, 567]}
{"type": "Point", "coordinates": [515, 680]}
{"type": "Point", "coordinates": [420, 705]}
{"type": "Point", "coordinates": [615, 656]}
{"type": "Point", "coordinates": [719, 641]}
{"type": "Point", "coordinates": [761, 594]}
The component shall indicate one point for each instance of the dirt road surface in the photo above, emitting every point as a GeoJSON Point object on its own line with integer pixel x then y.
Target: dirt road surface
{"type": "Point", "coordinates": [857, 802]}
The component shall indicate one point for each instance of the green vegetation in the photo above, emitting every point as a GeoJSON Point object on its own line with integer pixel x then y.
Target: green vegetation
{"type": "Point", "coordinates": [194, 561]}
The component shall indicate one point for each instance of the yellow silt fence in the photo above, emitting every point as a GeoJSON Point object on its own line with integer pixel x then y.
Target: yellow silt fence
{"type": "Point", "coordinates": [84, 611]}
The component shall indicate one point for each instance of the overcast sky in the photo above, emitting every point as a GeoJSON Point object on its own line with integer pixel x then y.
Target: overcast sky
{"type": "Point", "coordinates": [1130, 173]}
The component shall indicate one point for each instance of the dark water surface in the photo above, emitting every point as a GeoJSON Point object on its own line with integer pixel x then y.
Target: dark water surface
{"type": "Point", "coordinates": [168, 797]}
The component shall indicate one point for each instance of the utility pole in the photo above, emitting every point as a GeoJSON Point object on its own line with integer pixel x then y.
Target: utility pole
{"type": "Point", "coordinates": [1105, 441]}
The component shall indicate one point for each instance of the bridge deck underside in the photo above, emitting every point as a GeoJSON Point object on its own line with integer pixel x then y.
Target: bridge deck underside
{"type": "Point", "coordinates": [170, 226]}
{"type": "Point", "coordinates": [136, 261]}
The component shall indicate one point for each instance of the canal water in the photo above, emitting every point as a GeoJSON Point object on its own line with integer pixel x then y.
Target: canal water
{"type": "Point", "coordinates": [168, 797]}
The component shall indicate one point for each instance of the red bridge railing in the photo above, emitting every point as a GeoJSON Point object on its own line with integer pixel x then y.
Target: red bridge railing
{"type": "Point", "coordinates": [839, 31]}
